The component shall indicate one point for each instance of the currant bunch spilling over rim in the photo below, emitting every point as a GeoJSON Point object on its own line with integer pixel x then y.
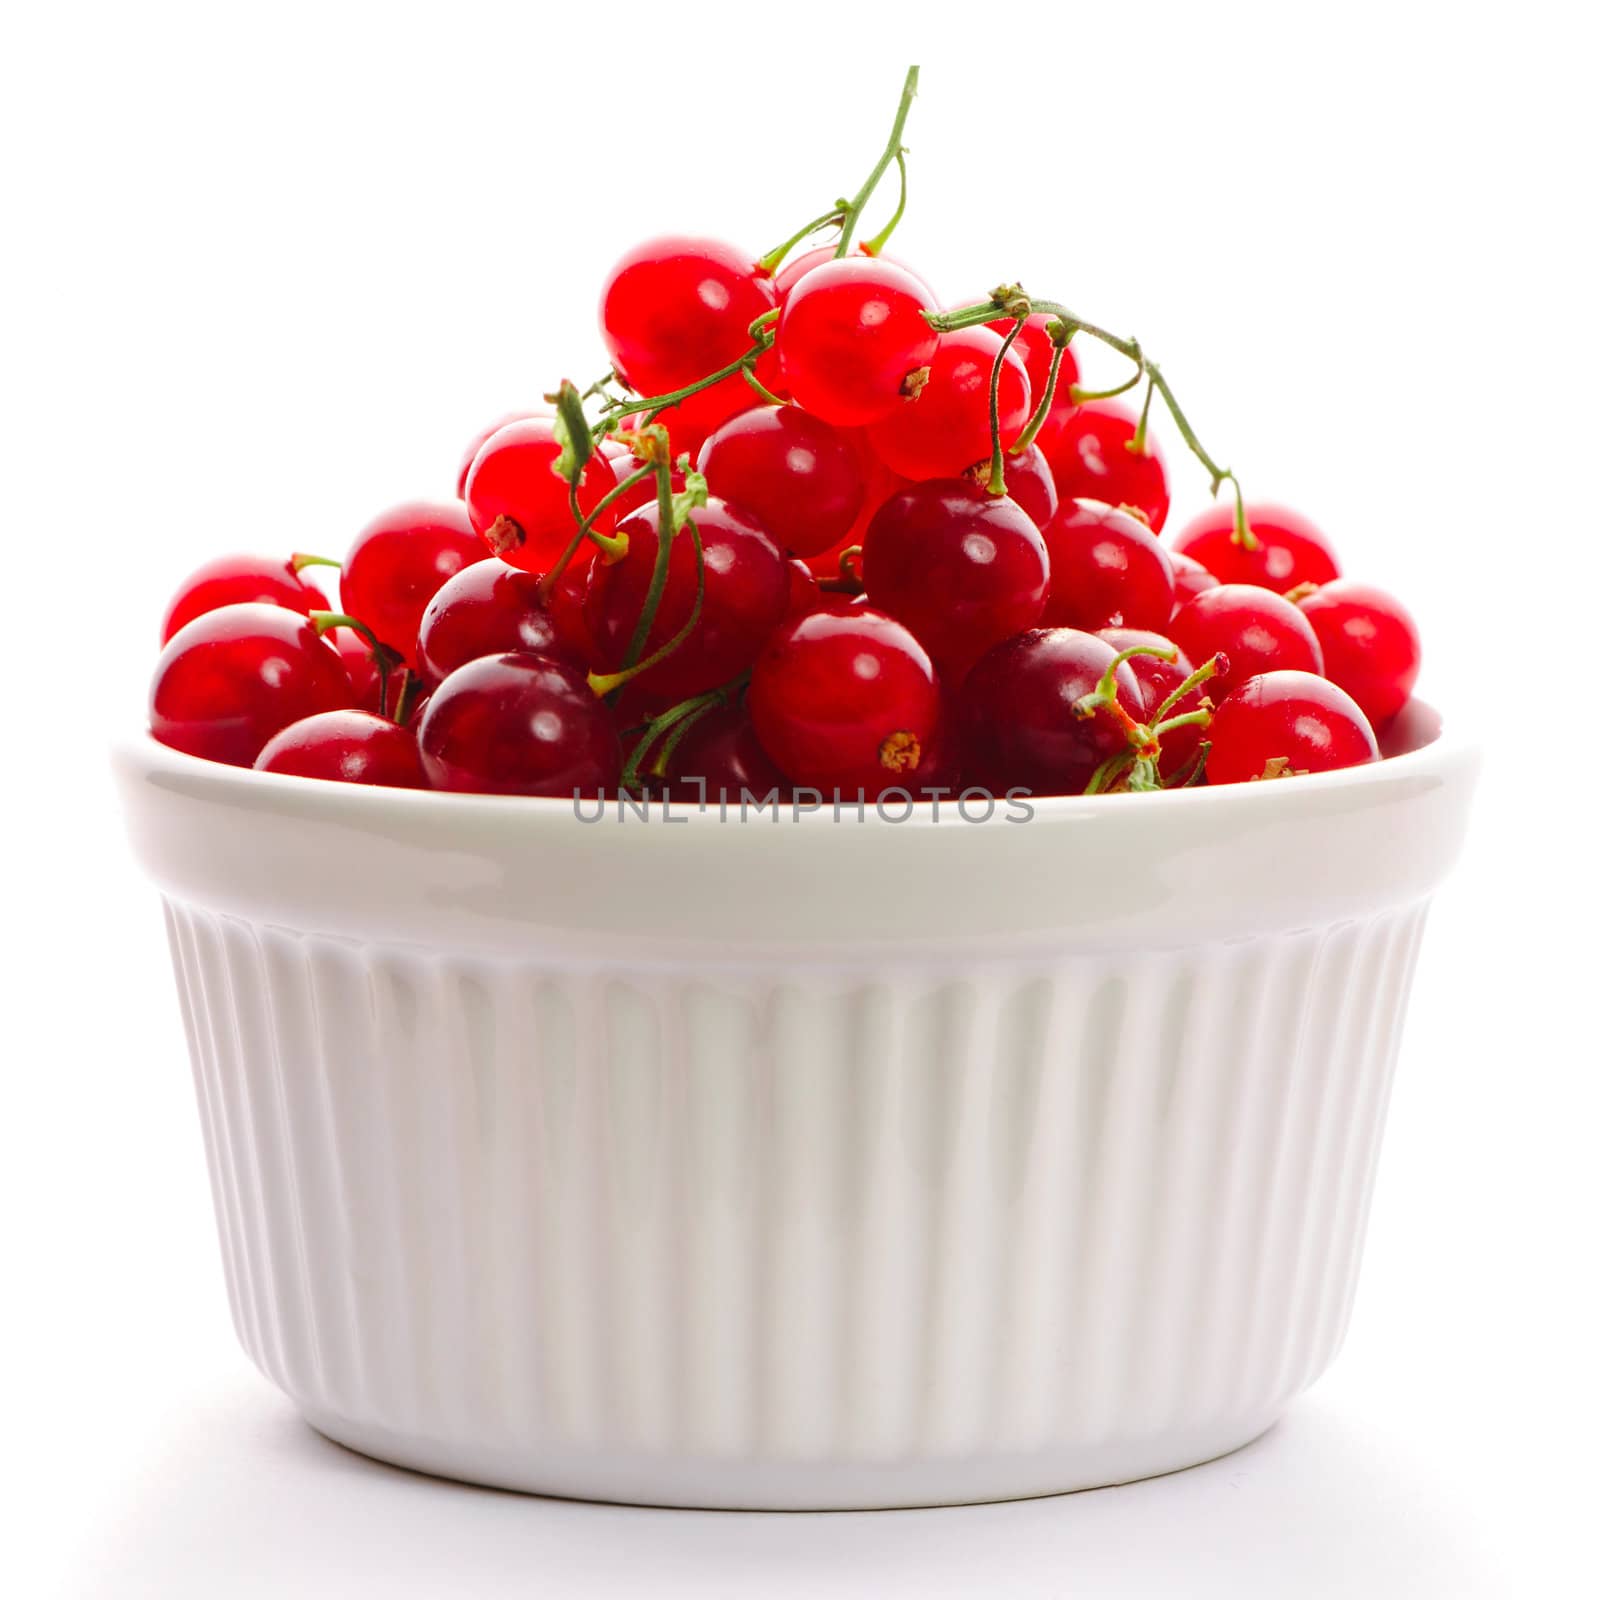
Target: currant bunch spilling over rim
{"type": "Point", "coordinates": [812, 530]}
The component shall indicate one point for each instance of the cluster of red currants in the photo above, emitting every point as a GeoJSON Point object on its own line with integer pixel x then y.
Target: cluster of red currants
{"type": "Point", "coordinates": [811, 531]}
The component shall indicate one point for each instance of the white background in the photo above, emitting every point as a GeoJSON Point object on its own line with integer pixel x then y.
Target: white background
{"type": "Point", "coordinates": [266, 271]}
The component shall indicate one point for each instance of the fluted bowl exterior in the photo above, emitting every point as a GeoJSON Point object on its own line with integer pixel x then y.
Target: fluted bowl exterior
{"type": "Point", "coordinates": [817, 1163]}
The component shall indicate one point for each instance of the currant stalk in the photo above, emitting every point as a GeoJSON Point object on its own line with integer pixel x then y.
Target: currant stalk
{"type": "Point", "coordinates": [383, 658]}
{"type": "Point", "coordinates": [892, 151]}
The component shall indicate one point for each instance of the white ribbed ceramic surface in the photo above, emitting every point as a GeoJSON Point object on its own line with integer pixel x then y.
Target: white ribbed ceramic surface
{"type": "Point", "coordinates": [709, 1221]}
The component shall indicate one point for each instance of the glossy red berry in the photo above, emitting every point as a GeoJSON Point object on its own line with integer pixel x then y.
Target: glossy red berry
{"type": "Point", "coordinates": [1290, 550]}
{"type": "Point", "coordinates": [1188, 579]}
{"type": "Point", "coordinates": [1021, 726]}
{"type": "Point", "coordinates": [1107, 570]}
{"type": "Point", "coordinates": [481, 438]}
{"type": "Point", "coordinates": [1283, 724]}
{"type": "Point", "coordinates": [943, 428]}
{"type": "Point", "coordinates": [851, 335]}
{"type": "Point", "coordinates": [1091, 460]}
{"type": "Point", "coordinates": [1257, 631]}
{"type": "Point", "coordinates": [519, 724]}
{"type": "Point", "coordinates": [518, 503]}
{"type": "Point", "coordinates": [746, 594]}
{"type": "Point", "coordinates": [960, 567]}
{"type": "Point", "coordinates": [720, 758]}
{"type": "Point", "coordinates": [1157, 679]}
{"type": "Point", "coordinates": [799, 477]}
{"type": "Point", "coordinates": [346, 747]}
{"type": "Point", "coordinates": [846, 701]}
{"type": "Point", "coordinates": [233, 677]}
{"type": "Point", "coordinates": [1032, 485]}
{"type": "Point", "coordinates": [398, 562]}
{"type": "Point", "coordinates": [675, 309]}
{"type": "Point", "coordinates": [1370, 645]}
{"type": "Point", "coordinates": [240, 580]}
{"type": "Point", "coordinates": [487, 609]}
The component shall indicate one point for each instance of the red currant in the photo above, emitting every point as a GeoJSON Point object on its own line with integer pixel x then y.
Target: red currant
{"type": "Point", "coordinates": [1021, 726]}
{"type": "Point", "coordinates": [1188, 579]}
{"type": "Point", "coordinates": [482, 437]}
{"type": "Point", "coordinates": [519, 724]}
{"type": "Point", "coordinates": [799, 477]}
{"type": "Point", "coordinates": [346, 747]}
{"type": "Point", "coordinates": [960, 567]}
{"type": "Point", "coordinates": [1157, 679]}
{"type": "Point", "coordinates": [846, 701]}
{"type": "Point", "coordinates": [360, 663]}
{"type": "Point", "coordinates": [233, 677]}
{"type": "Point", "coordinates": [852, 333]}
{"type": "Point", "coordinates": [487, 609]}
{"type": "Point", "coordinates": [1282, 724]}
{"type": "Point", "coordinates": [1257, 630]}
{"type": "Point", "coordinates": [746, 593]}
{"type": "Point", "coordinates": [240, 580]}
{"type": "Point", "coordinates": [676, 309]}
{"type": "Point", "coordinates": [943, 428]}
{"type": "Point", "coordinates": [1107, 570]}
{"type": "Point", "coordinates": [1092, 459]}
{"type": "Point", "coordinates": [720, 757]}
{"type": "Point", "coordinates": [1031, 484]}
{"type": "Point", "coordinates": [518, 501]}
{"type": "Point", "coordinates": [1370, 645]}
{"type": "Point", "coordinates": [1289, 549]}
{"type": "Point", "coordinates": [397, 563]}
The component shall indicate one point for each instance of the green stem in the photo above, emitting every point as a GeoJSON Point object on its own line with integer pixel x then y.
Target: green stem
{"type": "Point", "coordinates": [612, 549]}
{"type": "Point", "coordinates": [890, 150]}
{"type": "Point", "coordinates": [300, 561]}
{"type": "Point", "coordinates": [606, 683]}
{"type": "Point", "coordinates": [1042, 410]}
{"type": "Point", "coordinates": [1200, 675]}
{"type": "Point", "coordinates": [997, 454]}
{"type": "Point", "coordinates": [874, 245]}
{"type": "Point", "coordinates": [383, 658]}
{"type": "Point", "coordinates": [665, 532]}
{"type": "Point", "coordinates": [773, 259]}
{"type": "Point", "coordinates": [761, 388]}
{"type": "Point", "coordinates": [1085, 396]}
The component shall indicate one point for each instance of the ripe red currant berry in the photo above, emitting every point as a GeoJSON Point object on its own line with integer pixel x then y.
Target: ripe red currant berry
{"type": "Point", "coordinates": [241, 580]}
{"type": "Point", "coordinates": [346, 747]}
{"type": "Point", "coordinates": [397, 562]}
{"type": "Point", "coordinates": [1257, 630]}
{"type": "Point", "coordinates": [1091, 460]}
{"type": "Point", "coordinates": [487, 609]}
{"type": "Point", "coordinates": [519, 724]}
{"type": "Point", "coordinates": [746, 593]}
{"type": "Point", "coordinates": [482, 438]}
{"type": "Point", "coordinates": [1370, 645]}
{"type": "Point", "coordinates": [1034, 346]}
{"type": "Point", "coordinates": [796, 267]}
{"type": "Point", "coordinates": [1188, 579]}
{"type": "Point", "coordinates": [846, 702]}
{"type": "Point", "coordinates": [943, 428]}
{"type": "Point", "coordinates": [566, 611]}
{"type": "Point", "coordinates": [675, 309]}
{"type": "Point", "coordinates": [854, 340]}
{"type": "Point", "coordinates": [1283, 724]}
{"type": "Point", "coordinates": [1019, 711]}
{"type": "Point", "coordinates": [1157, 680]}
{"type": "Point", "coordinates": [518, 501]}
{"type": "Point", "coordinates": [1289, 549]}
{"type": "Point", "coordinates": [799, 477]}
{"type": "Point", "coordinates": [233, 677]}
{"type": "Point", "coordinates": [881, 485]}
{"type": "Point", "coordinates": [1107, 570]}
{"type": "Point", "coordinates": [1029, 482]}
{"type": "Point", "coordinates": [720, 758]}
{"type": "Point", "coordinates": [960, 567]}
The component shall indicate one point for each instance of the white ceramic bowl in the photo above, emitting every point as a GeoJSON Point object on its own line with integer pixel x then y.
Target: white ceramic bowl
{"type": "Point", "coordinates": [788, 1164]}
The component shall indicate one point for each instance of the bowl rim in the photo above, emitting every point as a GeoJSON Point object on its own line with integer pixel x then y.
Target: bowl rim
{"type": "Point", "coordinates": [1451, 747]}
